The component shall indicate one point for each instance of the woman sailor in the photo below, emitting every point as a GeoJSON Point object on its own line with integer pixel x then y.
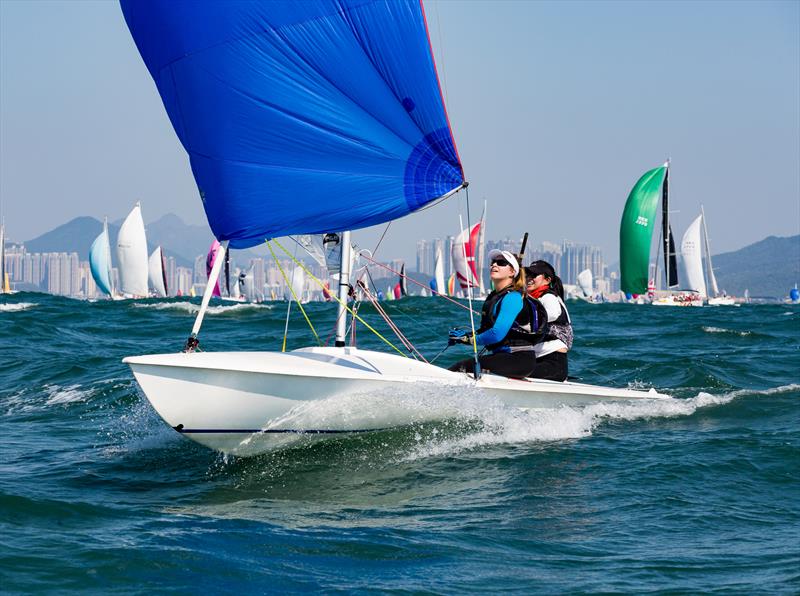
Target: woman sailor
{"type": "Point", "coordinates": [509, 323]}
{"type": "Point", "coordinates": [551, 351]}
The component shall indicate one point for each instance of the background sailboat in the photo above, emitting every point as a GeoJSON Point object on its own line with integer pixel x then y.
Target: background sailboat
{"type": "Point", "coordinates": [636, 234]}
{"type": "Point", "coordinates": [100, 262]}
{"type": "Point", "coordinates": [157, 273]}
{"type": "Point", "coordinates": [691, 251]}
{"type": "Point", "coordinates": [716, 298]}
{"type": "Point", "coordinates": [132, 255]}
{"type": "Point", "coordinates": [465, 258]}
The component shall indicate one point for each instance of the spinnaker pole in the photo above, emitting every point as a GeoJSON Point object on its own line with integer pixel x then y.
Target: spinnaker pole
{"type": "Point", "coordinates": [192, 342]}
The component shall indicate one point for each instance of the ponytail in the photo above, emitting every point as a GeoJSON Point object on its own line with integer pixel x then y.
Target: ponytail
{"type": "Point", "coordinates": [557, 286]}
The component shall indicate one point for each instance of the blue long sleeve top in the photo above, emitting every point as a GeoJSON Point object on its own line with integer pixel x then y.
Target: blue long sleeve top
{"type": "Point", "coordinates": [509, 307]}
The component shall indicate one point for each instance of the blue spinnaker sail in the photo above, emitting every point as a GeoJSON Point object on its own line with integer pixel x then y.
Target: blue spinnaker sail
{"type": "Point", "coordinates": [99, 262]}
{"type": "Point", "coordinates": [300, 117]}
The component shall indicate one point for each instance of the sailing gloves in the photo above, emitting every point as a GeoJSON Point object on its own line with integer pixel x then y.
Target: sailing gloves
{"type": "Point", "coordinates": [459, 336]}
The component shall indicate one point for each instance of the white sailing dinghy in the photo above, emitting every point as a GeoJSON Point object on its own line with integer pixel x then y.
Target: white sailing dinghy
{"type": "Point", "coordinates": [299, 118]}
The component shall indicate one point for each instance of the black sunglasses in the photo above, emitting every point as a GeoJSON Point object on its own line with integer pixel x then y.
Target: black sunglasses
{"type": "Point", "coordinates": [500, 262]}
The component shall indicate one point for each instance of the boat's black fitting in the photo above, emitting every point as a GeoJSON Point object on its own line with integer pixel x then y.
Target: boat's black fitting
{"type": "Point", "coordinates": [178, 428]}
{"type": "Point", "coordinates": [192, 344]}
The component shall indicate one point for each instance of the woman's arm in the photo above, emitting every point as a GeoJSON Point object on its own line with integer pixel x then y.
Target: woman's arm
{"type": "Point", "coordinates": [509, 308]}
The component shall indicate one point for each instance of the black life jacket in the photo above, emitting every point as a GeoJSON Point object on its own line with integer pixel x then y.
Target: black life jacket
{"type": "Point", "coordinates": [529, 326]}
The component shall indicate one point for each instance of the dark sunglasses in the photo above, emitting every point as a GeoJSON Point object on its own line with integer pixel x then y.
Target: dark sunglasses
{"type": "Point", "coordinates": [500, 262]}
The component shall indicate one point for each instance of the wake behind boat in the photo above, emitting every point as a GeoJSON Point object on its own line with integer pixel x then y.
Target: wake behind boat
{"type": "Point", "coordinates": [298, 118]}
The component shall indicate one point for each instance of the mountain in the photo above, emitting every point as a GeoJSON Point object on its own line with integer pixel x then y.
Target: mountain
{"type": "Point", "coordinates": [76, 235]}
{"type": "Point", "coordinates": [768, 268]}
{"type": "Point", "coordinates": [178, 240]}
{"type": "Point", "coordinates": [182, 239]}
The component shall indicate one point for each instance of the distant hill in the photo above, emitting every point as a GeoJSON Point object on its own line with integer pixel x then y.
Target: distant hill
{"type": "Point", "coordinates": [182, 239]}
{"type": "Point", "coordinates": [177, 239]}
{"type": "Point", "coordinates": [768, 268]}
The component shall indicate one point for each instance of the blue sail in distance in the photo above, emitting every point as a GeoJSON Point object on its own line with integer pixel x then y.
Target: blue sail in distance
{"type": "Point", "coordinates": [300, 117]}
{"type": "Point", "coordinates": [99, 261]}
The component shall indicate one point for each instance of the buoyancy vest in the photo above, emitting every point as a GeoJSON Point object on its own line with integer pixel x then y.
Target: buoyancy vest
{"type": "Point", "coordinates": [529, 327]}
{"type": "Point", "coordinates": [561, 328]}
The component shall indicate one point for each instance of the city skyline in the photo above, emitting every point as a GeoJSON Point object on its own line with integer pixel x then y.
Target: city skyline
{"type": "Point", "coordinates": [556, 108]}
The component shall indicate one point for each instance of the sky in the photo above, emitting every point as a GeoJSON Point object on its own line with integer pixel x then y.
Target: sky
{"type": "Point", "coordinates": [557, 108]}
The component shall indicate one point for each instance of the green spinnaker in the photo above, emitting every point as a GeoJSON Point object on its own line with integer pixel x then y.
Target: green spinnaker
{"type": "Point", "coordinates": [636, 231]}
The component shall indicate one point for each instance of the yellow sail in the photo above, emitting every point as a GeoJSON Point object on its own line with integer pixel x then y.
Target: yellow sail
{"type": "Point", "coordinates": [6, 284]}
{"type": "Point", "coordinates": [192, 292]}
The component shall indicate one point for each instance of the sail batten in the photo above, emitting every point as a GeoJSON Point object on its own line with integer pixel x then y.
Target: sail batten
{"type": "Point", "coordinates": [301, 118]}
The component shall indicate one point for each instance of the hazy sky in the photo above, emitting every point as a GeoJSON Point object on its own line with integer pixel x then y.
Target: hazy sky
{"type": "Point", "coordinates": [557, 109]}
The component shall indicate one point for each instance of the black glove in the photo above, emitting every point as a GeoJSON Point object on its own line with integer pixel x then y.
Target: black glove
{"type": "Point", "coordinates": [459, 336]}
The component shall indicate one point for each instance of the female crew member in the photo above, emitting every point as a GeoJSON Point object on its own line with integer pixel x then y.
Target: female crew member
{"type": "Point", "coordinates": [505, 328]}
{"type": "Point", "coordinates": [551, 350]}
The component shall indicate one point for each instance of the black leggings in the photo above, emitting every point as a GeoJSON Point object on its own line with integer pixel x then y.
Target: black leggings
{"type": "Point", "coordinates": [507, 364]}
{"type": "Point", "coordinates": [553, 366]}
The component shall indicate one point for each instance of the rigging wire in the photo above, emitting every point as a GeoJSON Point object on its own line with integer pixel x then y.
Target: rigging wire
{"type": "Point", "coordinates": [291, 289]}
{"type": "Point", "coordinates": [344, 304]}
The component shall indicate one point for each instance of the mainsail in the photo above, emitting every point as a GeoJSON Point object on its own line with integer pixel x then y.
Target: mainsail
{"type": "Point", "coordinates": [636, 230]}
{"type": "Point", "coordinates": [300, 117]}
{"type": "Point", "coordinates": [585, 282]}
{"type": "Point", "coordinates": [157, 272]}
{"type": "Point", "coordinates": [100, 261]}
{"type": "Point", "coordinates": [670, 256]}
{"type": "Point", "coordinates": [712, 280]}
{"type": "Point", "coordinates": [691, 251]}
{"type": "Point", "coordinates": [465, 257]}
{"type": "Point", "coordinates": [437, 283]}
{"type": "Point", "coordinates": [132, 255]}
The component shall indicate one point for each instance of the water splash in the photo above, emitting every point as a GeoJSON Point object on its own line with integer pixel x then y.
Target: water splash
{"type": "Point", "coordinates": [192, 308]}
{"type": "Point", "coordinates": [709, 329]}
{"type": "Point", "coordinates": [17, 306]}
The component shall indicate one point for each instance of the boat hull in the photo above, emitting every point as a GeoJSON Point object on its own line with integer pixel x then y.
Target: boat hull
{"type": "Point", "coordinates": [245, 403]}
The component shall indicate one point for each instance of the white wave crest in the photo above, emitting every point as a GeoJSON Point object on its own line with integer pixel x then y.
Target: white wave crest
{"type": "Point", "coordinates": [65, 395]}
{"type": "Point", "coordinates": [212, 310]}
{"type": "Point", "coordinates": [16, 307]}
{"type": "Point", "coordinates": [709, 329]}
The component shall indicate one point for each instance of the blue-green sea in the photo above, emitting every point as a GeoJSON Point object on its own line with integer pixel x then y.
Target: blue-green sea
{"type": "Point", "coordinates": [698, 494]}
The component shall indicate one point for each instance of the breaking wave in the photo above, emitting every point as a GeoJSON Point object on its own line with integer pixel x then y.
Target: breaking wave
{"type": "Point", "coordinates": [16, 307]}
{"type": "Point", "coordinates": [192, 308]}
{"type": "Point", "coordinates": [709, 329]}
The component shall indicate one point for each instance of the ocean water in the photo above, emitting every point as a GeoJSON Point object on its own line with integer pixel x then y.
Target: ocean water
{"type": "Point", "coordinates": [700, 493]}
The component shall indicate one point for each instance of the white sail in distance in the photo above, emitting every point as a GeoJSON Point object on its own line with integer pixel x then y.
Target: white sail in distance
{"type": "Point", "coordinates": [132, 255]}
{"type": "Point", "coordinates": [693, 258]}
{"type": "Point", "coordinates": [158, 277]}
{"type": "Point", "coordinates": [712, 280]}
{"type": "Point", "coordinates": [438, 271]}
{"type": "Point", "coordinates": [585, 282]}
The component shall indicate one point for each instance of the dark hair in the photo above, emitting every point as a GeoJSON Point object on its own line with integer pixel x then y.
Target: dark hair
{"type": "Point", "coordinates": [546, 269]}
